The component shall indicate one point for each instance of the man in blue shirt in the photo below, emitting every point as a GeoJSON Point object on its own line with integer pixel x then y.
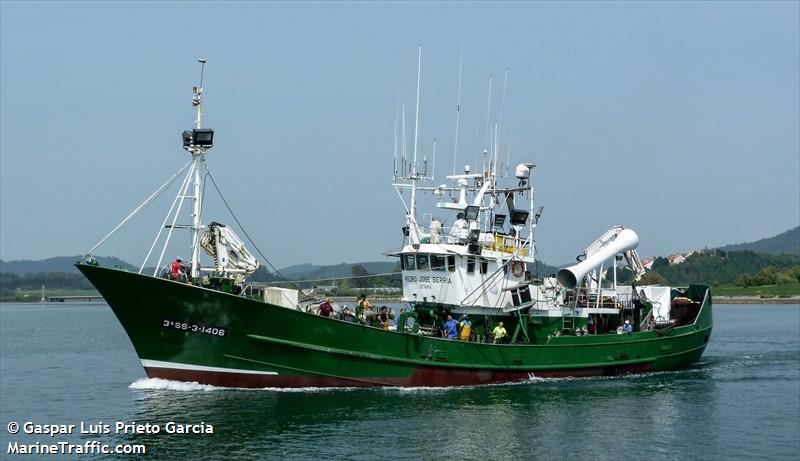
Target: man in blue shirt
{"type": "Point", "coordinates": [627, 328]}
{"type": "Point", "coordinates": [451, 328]}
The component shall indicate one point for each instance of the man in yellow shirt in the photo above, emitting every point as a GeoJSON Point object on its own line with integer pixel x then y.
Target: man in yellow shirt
{"type": "Point", "coordinates": [364, 309]}
{"type": "Point", "coordinates": [499, 333]}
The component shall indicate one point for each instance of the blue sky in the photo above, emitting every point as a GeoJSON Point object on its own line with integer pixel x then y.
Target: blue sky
{"type": "Point", "coordinates": [679, 120]}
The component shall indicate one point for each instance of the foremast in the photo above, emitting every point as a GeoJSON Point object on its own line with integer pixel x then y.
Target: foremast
{"type": "Point", "coordinates": [198, 160]}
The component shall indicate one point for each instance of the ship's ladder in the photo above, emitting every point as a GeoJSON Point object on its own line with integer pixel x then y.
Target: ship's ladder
{"type": "Point", "coordinates": [568, 319]}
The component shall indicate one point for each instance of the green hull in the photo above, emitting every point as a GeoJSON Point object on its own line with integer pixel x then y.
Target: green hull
{"type": "Point", "coordinates": [190, 333]}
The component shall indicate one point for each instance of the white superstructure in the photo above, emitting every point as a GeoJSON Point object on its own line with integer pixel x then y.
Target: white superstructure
{"type": "Point", "coordinates": [474, 252]}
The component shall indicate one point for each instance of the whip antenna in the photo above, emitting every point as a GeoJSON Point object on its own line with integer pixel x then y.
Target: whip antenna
{"type": "Point", "coordinates": [202, 62]}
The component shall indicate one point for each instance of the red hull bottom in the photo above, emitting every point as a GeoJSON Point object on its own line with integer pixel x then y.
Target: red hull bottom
{"type": "Point", "coordinates": [423, 377]}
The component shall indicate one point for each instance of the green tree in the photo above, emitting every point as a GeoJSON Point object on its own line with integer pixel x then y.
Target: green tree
{"type": "Point", "coordinates": [660, 262]}
{"type": "Point", "coordinates": [652, 278]}
{"type": "Point", "coordinates": [744, 280]}
{"type": "Point", "coordinates": [784, 278]}
{"type": "Point", "coordinates": [362, 280]}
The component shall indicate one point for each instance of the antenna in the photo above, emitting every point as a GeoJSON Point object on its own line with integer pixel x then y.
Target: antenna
{"type": "Point", "coordinates": [396, 113]}
{"type": "Point", "coordinates": [508, 158]}
{"type": "Point", "coordinates": [503, 99]}
{"type": "Point", "coordinates": [488, 113]}
{"type": "Point", "coordinates": [405, 156]}
{"type": "Point", "coordinates": [433, 173]}
{"type": "Point", "coordinates": [500, 123]}
{"type": "Point", "coordinates": [197, 101]}
{"type": "Point", "coordinates": [458, 105]}
{"type": "Point", "coordinates": [416, 122]}
{"type": "Point", "coordinates": [394, 163]}
{"type": "Point", "coordinates": [495, 154]}
{"type": "Point", "coordinates": [202, 62]}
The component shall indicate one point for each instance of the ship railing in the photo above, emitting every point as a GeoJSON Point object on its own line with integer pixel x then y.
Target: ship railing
{"type": "Point", "coordinates": [496, 241]}
{"type": "Point", "coordinates": [595, 300]}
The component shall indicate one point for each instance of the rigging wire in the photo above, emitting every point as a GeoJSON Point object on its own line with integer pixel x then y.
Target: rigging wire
{"type": "Point", "coordinates": [230, 210]}
{"type": "Point", "coordinates": [284, 279]}
{"type": "Point", "coordinates": [162, 227]}
{"type": "Point", "coordinates": [275, 270]}
{"type": "Point", "coordinates": [142, 205]}
{"type": "Point", "coordinates": [340, 278]}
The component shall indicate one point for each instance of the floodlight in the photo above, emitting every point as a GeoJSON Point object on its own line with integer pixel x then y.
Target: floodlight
{"type": "Point", "coordinates": [203, 137]}
{"type": "Point", "coordinates": [519, 217]}
{"type": "Point", "coordinates": [187, 139]}
{"type": "Point", "coordinates": [471, 212]}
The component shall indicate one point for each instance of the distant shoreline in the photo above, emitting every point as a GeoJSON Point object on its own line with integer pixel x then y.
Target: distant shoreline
{"type": "Point", "coordinates": [718, 299]}
{"type": "Point", "coordinates": [755, 300]}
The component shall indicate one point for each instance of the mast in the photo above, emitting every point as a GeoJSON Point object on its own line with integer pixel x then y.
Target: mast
{"type": "Point", "coordinates": [197, 151]}
{"type": "Point", "coordinates": [413, 210]}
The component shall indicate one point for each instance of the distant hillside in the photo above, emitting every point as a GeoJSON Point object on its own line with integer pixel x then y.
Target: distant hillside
{"type": "Point", "coordinates": [51, 271]}
{"type": "Point", "coordinates": [298, 270]}
{"type": "Point", "coordinates": [340, 270]}
{"type": "Point", "coordinates": [785, 243]}
{"type": "Point", "coordinates": [310, 271]}
{"type": "Point", "coordinates": [57, 264]}
{"type": "Point", "coordinates": [540, 269]}
{"type": "Point", "coordinates": [716, 267]}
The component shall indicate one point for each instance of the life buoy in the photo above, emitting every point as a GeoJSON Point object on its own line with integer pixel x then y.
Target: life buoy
{"type": "Point", "coordinates": [517, 268]}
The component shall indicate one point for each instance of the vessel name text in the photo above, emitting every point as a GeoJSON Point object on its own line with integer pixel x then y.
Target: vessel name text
{"type": "Point", "coordinates": [427, 279]}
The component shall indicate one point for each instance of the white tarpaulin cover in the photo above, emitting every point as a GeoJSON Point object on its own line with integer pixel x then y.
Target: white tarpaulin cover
{"type": "Point", "coordinates": [660, 298]}
{"type": "Point", "coordinates": [283, 297]}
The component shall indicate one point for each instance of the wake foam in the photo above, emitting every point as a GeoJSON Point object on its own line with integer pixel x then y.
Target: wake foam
{"type": "Point", "coordinates": [158, 384]}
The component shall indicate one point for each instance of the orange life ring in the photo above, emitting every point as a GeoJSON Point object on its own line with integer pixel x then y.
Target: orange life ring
{"type": "Point", "coordinates": [517, 268]}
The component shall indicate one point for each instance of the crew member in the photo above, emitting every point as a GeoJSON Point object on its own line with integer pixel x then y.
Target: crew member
{"type": "Point", "coordinates": [384, 317]}
{"type": "Point", "coordinates": [451, 328]}
{"type": "Point", "coordinates": [627, 328]}
{"type": "Point", "coordinates": [363, 308]}
{"type": "Point", "coordinates": [176, 269]}
{"type": "Point", "coordinates": [460, 228]}
{"type": "Point", "coordinates": [466, 329]}
{"type": "Point", "coordinates": [325, 308]}
{"type": "Point", "coordinates": [499, 333]}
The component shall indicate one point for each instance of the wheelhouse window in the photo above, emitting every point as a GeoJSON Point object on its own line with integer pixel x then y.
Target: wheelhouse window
{"type": "Point", "coordinates": [484, 266]}
{"type": "Point", "coordinates": [470, 264]}
{"type": "Point", "coordinates": [451, 263]}
{"type": "Point", "coordinates": [409, 263]}
{"type": "Point", "coordinates": [438, 262]}
{"type": "Point", "coordinates": [422, 262]}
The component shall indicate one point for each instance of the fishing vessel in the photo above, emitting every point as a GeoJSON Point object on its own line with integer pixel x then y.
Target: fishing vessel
{"type": "Point", "coordinates": [477, 310]}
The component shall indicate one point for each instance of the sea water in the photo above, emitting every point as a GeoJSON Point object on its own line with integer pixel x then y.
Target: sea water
{"type": "Point", "coordinates": [71, 364]}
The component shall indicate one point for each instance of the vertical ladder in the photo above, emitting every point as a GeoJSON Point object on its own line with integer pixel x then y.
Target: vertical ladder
{"type": "Point", "coordinates": [568, 321]}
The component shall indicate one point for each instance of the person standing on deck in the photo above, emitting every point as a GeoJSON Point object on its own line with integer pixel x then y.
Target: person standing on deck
{"type": "Point", "coordinates": [325, 308]}
{"type": "Point", "coordinates": [466, 329]}
{"type": "Point", "coordinates": [627, 328]}
{"type": "Point", "coordinates": [458, 234]}
{"type": "Point", "coordinates": [499, 333]}
{"type": "Point", "coordinates": [363, 309]}
{"type": "Point", "coordinates": [176, 269]}
{"type": "Point", "coordinates": [451, 328]}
